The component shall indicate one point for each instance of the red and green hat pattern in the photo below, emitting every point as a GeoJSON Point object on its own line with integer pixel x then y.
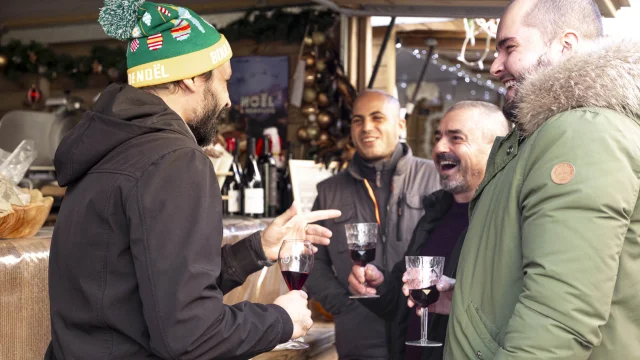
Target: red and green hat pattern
{"type": "Point", "coordinates": [166, 42]}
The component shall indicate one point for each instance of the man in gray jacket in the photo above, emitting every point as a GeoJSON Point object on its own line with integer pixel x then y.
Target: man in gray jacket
{"type": "Point", "coordinates": [384, 183]}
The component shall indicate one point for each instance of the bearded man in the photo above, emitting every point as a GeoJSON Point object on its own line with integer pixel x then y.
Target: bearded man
{"type": "Point", "coordinates": [549, 267]}
{"type": "Point", "coordinates": [136, 267]}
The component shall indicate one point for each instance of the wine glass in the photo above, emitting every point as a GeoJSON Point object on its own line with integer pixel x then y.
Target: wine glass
{"type": "Point", "coordinates": [295, 259]}
{"type": "Point", "coordinates": [362, 239]}
{"type": "Point", "coordinates": [424, 272]}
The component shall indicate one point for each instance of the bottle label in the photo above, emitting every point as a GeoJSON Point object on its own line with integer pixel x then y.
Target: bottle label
{"type": "Point", "coordinates": [234, 201]}
{"type": "Point", "coordinates": [254, 201]}
{"type": "Point", "coordinates": [273, 187]}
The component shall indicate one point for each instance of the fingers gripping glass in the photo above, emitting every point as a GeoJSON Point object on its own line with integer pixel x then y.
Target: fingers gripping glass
{"type": "Point", "coordinates": [424, 272]}
{"type": "Point", "coordinates": [295, 259]}
{"type": "Point", "coordinates": [362, 240]}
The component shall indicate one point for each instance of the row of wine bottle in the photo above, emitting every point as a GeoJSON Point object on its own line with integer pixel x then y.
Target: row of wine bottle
{"type": "Point", "coordinates": [260, 189]}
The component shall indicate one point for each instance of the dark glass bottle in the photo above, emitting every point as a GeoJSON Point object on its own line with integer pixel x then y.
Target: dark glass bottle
{"type": "Point", "coordinates": [253, 194]}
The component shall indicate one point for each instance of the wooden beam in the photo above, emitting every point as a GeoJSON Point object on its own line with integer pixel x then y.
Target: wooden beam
{"type": "Point", "coordinates": [607, 8]}
{"type": "Point", "coordinates": [445, 44]}
{"type": "Point", "coordinates": [365, 62]}
{"type": "Point", "coordinates": [352, 71]}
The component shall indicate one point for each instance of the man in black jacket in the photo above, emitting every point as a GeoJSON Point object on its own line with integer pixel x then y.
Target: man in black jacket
{"type": "Point", "coordinates": [463, 142]}
{"type": "Point", "coordinates": [136, 266]}
{"type": "Point", "coordinates": [384, 183]}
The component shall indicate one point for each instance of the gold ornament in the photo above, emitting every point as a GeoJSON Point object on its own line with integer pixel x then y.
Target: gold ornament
{"type": "Point", "coordinates": [321, 65]}
{"type": "Point", "coordinates": [324, 137]}
{"type": "Point", "coordinates": [309, 95]}
{"type": "Point", "coordinates": [325, 119]}
{"type": "Point", "coordinates": [323, 100]}
{"type": "Point", "coordinates": [318, 37]}
{"type": "Point", "coordinates": [313, 132]}
{"type": "Point", "coordinates": [3, 61]}
{"type": "Point", "coordinates": [308, 41]}
{"type": "Point", "coordinates": [309, 109]}
{"type": "Point", "coordinates": [309, 58]}
{"type": "Point", "coordinates": [309, 77]}
{"type": "Point", "coordinates": [302, 134]}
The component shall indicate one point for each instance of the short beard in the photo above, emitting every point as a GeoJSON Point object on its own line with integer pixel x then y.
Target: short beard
{"type": "Point", "coordinates": [510, 107]}
{"type": "Point", "coordinates": [205, 120]}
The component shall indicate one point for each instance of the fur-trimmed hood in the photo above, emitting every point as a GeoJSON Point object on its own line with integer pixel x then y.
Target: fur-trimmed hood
{"type": "Point", "coordinates": [606, 75]}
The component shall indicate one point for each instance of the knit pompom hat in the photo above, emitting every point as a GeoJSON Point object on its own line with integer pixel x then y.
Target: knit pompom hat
{"type": "Point", "coordinates": [166, 42]}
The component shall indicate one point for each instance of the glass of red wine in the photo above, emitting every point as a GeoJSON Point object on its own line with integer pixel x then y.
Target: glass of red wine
{"type": "Point", "coordinates": [362, 239]}
{"type": "Point", "coordinates": [296, 261]}
{"type": "Point", "coordinates": [424, 272]}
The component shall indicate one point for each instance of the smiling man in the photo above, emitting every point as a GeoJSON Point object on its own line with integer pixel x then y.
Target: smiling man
{"type": "Point", "coordinates": [463, 142]}
{"type": "Point", "coordinates": [551, 261]}
{"type": "Point", "coordinates": [384, 183]}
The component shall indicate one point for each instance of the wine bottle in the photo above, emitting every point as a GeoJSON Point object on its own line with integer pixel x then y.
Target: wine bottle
{"type": "Point", "coordinates": [252, 183]}
{"type": "Point", "coordinates": [269, 173]}
{"type": "Point", "coordinates": [232, 187]}
{"type": "Point", "coordinates": [285, 188]}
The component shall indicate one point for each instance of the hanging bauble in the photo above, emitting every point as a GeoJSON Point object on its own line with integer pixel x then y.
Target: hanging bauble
{"type": "Point", "coordinates": [34, 95]}
{"type": "Point", "coordinates": [16, 59]}
{"type": "Point", "coordinates": [309, 77]}
{"type": "Point", "coordinates": [309, 95]}
{"type": "Point", "coordinates": [309, 109]}
{"type": "Point", "coordinates": [318, 37]}
{"type": "Point", "coordinates": [33, 57]}
{"type": "Point", "coordinates": [325, 120]}
{"type": "Point", "coordinates": [113, 73]}
{"type": "Point", "coordinates": [321, 65]}
{"type": "Point", "coordinates": [313, 131]}
{"type": "Point", "coordinates": [96, 67]}
{"type": "Point", "coordinates": [323, 100]}
{"type": "Point", "coordinates": [324, 137]}
{"type": "Point", "coordinates": [3, 61]}
{"type": "Point", "coordinates": [309, 58]}
{"type": "Point", "coordinates": [302, 134]}
{"type": "Point", "coordinates": [308, 41]}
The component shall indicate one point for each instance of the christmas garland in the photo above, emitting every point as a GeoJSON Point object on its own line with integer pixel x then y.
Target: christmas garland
{"type": "Point", "coordinates": [18, 59]}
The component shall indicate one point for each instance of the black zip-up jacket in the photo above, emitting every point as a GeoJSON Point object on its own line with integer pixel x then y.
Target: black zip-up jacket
{"type": "Point", "coordinates": [392, 307]}
{"type": "Point", "coordinates": [136, 268]}
{"type": "Point", "coordinates": [361, 334]}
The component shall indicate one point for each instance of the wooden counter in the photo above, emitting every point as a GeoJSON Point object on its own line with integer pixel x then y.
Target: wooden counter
{"type": "Point", "coordinates": [24, 299]}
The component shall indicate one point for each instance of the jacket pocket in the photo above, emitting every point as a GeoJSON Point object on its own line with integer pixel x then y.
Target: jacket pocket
{"type": "Point", "coordinates": [484, 346]}
{"type": "Point", "coordinates": [348, 214]}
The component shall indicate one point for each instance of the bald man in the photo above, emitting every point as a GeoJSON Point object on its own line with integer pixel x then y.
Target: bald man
{"type": "Point", "coordinates": [384, 183]}
{"type": "Point", "coordinates": [464, 139]}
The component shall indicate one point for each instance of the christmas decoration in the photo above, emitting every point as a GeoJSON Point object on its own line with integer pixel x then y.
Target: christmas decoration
{"type": "Point", "coordinates": [321, 65]}
{"type": "Point", "coordinates": [3, 61]}
{"type": "Point", "coordinates": [302, 134]}
{"type": "Point", "coordinates": [309, 95]}
{"type": "Point", "coordinates": [309, 59]}
{"type": "Point", "coordinates": [313, 131]}
{"type": "Point", "coordinates": [323, 100]}
{"type": "Point", "coordinates": [309, 77]}
{"type": "Point", "coordinates": [325, 120]}
{"type": "Point", "coordinates": [308, 41]}
{"type": "Point", "coordinates": [318, 37]}
{"type": "Point", "coordinates": [309, 109]}
{"type": "Point", "coordinates": [34, 95]}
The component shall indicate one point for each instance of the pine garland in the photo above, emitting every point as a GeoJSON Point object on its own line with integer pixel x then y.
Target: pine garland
{"type": "Point", "coordinates": [115, 17]}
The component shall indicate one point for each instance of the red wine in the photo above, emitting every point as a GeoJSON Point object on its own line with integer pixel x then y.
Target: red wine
{"type": "Point", "coordinates": [295, 280]}
{"type": "Point", "coordinates": [362, 254]}
{"type": "Point", "coordinates": [425, 297]}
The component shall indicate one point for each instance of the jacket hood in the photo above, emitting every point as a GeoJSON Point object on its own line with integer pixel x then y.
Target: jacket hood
{"type": "Point", "coordinates": [606, 75]}
{"type": "Point", "coordinates": [121, 113]}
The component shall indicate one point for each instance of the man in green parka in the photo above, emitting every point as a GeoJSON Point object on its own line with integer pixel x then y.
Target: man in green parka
{"type": "Point", "coordinates": [550, 267]}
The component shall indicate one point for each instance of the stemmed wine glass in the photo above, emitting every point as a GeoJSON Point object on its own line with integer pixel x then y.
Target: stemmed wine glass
{"type": "Point", "coordinates": [295, 259]}
{"type": "Point", "coordinates": [362, 239]}
{"type": "Point", "coordinates": [424, 272]}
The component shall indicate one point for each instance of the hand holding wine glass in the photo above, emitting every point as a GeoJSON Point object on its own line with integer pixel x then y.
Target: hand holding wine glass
{"type": "Point", "coordinates": [295, 304]}
{"type": "Point", "coordinates": [295, 259]}
{"type": "Point", "coordinates": [362, 240]}
{"type": "Point", "coordinates": [422, 276]}
{"type": "Point", "coordinates": [365, 280]}
{"type": "Point", "coordinates": [443, 304]}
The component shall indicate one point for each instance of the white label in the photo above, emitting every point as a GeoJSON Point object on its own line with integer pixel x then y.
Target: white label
{"type": "Point", "coordinates": [254, 201]}
{"type": "Point", "coordinates": [234, 201]}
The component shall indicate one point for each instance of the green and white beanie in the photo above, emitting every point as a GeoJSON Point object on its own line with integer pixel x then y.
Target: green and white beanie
{"type": "Point", "coordinates": [166, 42]}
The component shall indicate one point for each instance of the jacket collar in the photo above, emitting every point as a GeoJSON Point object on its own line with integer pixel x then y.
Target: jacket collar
{"type": "Point", "coordinates": [606, 75]}
{"type": "Point", "coordinates": [402, 165]}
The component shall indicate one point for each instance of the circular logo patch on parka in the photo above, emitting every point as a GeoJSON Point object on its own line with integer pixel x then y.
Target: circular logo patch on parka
{"type": "Point", "coordinates": [563, 173]}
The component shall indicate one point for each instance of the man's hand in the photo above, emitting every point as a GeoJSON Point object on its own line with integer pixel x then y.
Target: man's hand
{"type": "Point", "coordinates": [443, 305]}
{"type": "Point", "coordinates": [295, 304]}
{"type": "Point", "coordinates": [291, 225]}
{"type": "Point", "coordinates": [369, 274]}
